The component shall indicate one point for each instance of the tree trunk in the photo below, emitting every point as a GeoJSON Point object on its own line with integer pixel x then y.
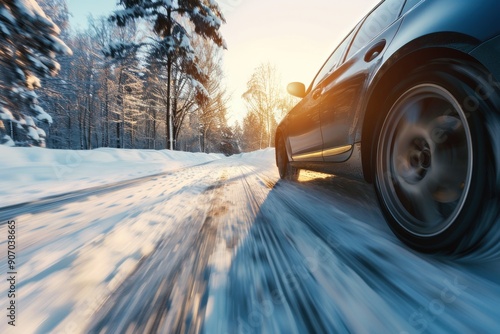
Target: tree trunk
{"type": "Point", "coordinates": [169, 119]}
{"type": "Point", "coordinates": [154, 128]}
{"type": "Point", "coordinates": [107, 138]}
{"type": "Point", "coordinates": [118, 135]}
{"type": "Point", "coordinates": [123, 126]}
{"type": "Point", "coordinates": [132, 132]}
{"type": "Point", "coordinates": [89, 128]}
{"type": "Point", "coordinates": [175, 120]}
{"type": "Point", "coordinates": [81, 121]}
{"type": "Point", "coordinates": [70, 133]}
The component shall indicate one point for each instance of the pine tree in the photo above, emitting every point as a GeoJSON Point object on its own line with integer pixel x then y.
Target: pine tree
{"type": "Point", "coordinates": [28, 46]}
{"type": "Point", "coordinates": [170, 21]}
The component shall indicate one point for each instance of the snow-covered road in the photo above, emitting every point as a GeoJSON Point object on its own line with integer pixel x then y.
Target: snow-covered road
{"type": "Point", "coordinates": [222, 246]}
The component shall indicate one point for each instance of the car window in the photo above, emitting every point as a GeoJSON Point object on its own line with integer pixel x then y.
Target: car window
{"type": "Point", "coordinates": [409, 5]}
{"type": "Point", "coordinates": [376, 22]}
{"type": "Point", "coordinates": [334, 60]}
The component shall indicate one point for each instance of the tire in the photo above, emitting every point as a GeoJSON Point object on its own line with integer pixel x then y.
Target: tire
{"type": "Point", "coordinates": [434, 168]}
{"type": "Point", "coordinates": [287, 171]}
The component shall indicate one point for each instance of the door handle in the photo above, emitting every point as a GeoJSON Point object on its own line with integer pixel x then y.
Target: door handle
{"type": "Point", "coordinates": [375, 51]}
{"type": "Point", "coordinates": [317, 93]}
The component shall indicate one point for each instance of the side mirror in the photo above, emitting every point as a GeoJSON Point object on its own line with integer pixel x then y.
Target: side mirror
{"type": "Point", "coordinates": [297, 89]}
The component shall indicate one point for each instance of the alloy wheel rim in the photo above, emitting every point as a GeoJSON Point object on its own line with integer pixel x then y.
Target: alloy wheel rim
{"type": "Point", "coordinates": [425, 160]}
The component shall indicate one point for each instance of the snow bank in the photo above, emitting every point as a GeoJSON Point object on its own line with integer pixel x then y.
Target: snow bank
{"type": "Point", "coordinates": [29, 174]}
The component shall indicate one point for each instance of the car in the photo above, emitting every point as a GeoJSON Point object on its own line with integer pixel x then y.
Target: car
{"type": "Point", "coordinates": [409, 101]}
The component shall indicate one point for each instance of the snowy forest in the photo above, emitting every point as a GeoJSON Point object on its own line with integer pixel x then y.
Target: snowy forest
{"type": "Point", "coordinates": [147, 77]}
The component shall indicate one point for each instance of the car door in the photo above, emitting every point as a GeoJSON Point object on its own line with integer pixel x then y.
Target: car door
{"type": "Point", "coordinates": [304, 133]}
{"type": "Point", "coordinates": [345, 87]}
{"type": "Point", "coordinates": [304, 127]}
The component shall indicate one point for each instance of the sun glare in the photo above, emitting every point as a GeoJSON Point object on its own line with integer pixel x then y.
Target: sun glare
{"type": "Point", "coordinates": [294, 37]}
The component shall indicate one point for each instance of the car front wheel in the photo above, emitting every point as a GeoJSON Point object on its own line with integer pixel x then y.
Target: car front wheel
{"type": "Point", "coordinates": [433, 160]}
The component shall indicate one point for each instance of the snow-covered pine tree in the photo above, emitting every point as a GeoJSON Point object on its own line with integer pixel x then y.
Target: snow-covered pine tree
{"type": "Point", "coordinates": [170, 21]}
{"type": "Point", "coordinates": [28, 46]}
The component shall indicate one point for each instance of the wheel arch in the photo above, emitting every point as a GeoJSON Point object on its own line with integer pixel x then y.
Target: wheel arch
{"type": "Point", "coordinates": [280, 134]}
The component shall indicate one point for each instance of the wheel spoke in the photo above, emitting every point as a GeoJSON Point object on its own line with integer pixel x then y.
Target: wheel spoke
{"type": "Point", "coordinates": [446, 180]}
{"type": "Point", "coordinates": [423, 206]}
{"type": "Point", "coordinates": [447, 176]}
{"type": "Point", "coordinates": [411, 120]}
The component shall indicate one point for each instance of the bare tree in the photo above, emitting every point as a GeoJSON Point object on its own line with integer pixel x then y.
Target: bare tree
{"type": "Point", "coordinates": [264, 98]}
{"type": "Point", "coordinates": [212, 111]}
{"type": "Point", "coordinates": [119, 80]}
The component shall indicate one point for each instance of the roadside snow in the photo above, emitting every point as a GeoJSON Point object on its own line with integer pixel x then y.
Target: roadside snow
{"type": "Point", "coordinates": [30, 174]}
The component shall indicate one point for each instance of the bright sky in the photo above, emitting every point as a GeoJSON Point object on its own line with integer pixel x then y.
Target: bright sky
{"type": "Point", "coordinates": [295, 35]}
{"type": "Point", "coordinates": [81, 9]}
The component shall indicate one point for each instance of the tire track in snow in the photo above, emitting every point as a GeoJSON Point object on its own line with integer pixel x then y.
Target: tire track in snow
{"type": "Point", "coordinates": [302, 310]}
{"type": "Point", "coordinates": [171, 299]}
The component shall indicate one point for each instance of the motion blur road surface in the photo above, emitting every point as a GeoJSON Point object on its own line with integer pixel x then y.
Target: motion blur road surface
{"type": "Point", "coordinates": [224, 247]}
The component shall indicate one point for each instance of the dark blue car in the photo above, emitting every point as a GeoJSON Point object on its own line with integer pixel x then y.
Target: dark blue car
{"type": "Point", "coordinates": [410, 102]}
